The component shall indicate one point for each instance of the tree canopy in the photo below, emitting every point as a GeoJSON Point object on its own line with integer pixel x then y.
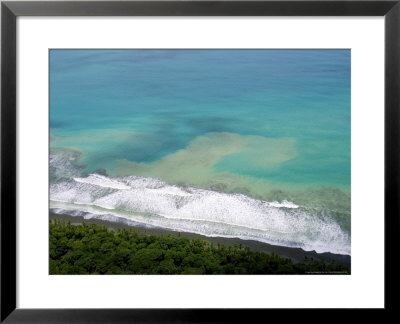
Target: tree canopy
{"type": "Point", "coordinates": [94, 249]}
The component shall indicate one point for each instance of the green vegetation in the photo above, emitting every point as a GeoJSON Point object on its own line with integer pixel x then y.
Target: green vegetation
{"type": "Point", "coordinates": [93, 249]}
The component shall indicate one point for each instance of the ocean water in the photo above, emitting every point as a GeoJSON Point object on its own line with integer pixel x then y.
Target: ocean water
{"type": "Point", "coordinates": [252, 144]}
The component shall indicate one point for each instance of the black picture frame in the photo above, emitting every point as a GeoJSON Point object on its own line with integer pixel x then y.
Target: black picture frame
{"type": "Point", "coordinates": [10, 10]}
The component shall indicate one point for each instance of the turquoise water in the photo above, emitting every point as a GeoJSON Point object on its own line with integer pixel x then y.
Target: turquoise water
{"type": "Point", "coordinates": [272, 125]}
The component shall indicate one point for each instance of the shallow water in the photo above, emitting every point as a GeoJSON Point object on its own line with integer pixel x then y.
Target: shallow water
{"type": "Point", "coordinates": [228, 133]}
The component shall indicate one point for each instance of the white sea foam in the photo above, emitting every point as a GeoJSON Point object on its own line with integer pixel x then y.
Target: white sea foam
{"type": "Point", "coordinates": [153, 202]}
{"type": "Point", "coordinates": [63, 165]}
{"type": "Point", "coordinates": [170, 190]}
{"type": "Point", "coordinates": [102, 181]}
{"type": "Point", "coordinates": [284, 203]}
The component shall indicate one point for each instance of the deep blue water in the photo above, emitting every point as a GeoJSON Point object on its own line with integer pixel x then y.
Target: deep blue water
{"type": "Point", "coordinates": [158, 101]}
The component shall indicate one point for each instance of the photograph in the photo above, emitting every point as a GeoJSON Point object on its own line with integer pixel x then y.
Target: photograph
{"type": "Point", "coordinates": [199, 161]}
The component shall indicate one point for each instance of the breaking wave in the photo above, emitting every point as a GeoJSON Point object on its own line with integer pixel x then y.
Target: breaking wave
{"type": "Point", "coordinates": [145, 201]}
{"type": "Point", "coordinates": [152, 202]}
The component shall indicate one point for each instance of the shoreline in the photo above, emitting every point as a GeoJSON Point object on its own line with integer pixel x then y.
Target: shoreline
{"type": "Point", "coordinates": [297, 255]}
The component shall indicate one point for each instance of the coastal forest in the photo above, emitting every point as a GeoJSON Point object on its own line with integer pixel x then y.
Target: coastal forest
{"type": "Point", "coordinates": [94, 249]}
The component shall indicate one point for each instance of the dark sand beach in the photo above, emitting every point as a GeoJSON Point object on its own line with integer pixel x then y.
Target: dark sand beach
{"type": "Point", "coordinates": [295, 254]}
